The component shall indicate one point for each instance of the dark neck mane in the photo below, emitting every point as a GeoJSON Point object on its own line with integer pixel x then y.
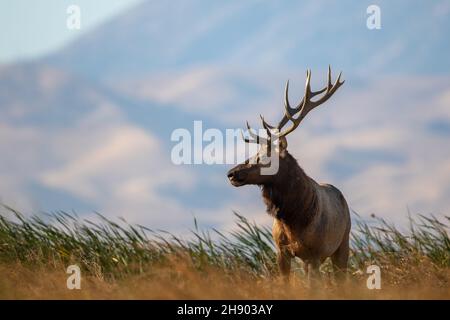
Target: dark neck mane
{"type": "Point", "coordinates": [291, 197]}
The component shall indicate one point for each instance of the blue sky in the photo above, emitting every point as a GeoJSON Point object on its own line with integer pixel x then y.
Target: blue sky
{"type": "Point", "coordinates": [86, 117]}
{"type": "Point", "coordinates": [29, 29]}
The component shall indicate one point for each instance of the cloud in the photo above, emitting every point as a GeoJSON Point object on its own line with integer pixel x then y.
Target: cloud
{"type": "Point", "coordinates": [119, 171]}
{"type": "Point", "coordinates": [381, 139]}
{"type": "Point", "coordinates": [18, 146]}
{"type": "Point", "coordinates": [374, 143]}
{"type": "Point", "coordinates": [372, 140]}
{"type": "Point", "coordinates": [111, 159]}
{"type": "Point", "coordinates": [101, 159]}
{"type": "Point", "coordinates": [198, 89]}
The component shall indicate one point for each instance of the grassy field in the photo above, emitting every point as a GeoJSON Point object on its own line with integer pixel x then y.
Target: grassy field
{"type": "Point", "coordinates": [122, 261]}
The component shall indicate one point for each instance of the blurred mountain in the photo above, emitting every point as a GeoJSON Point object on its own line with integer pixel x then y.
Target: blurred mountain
{"type": "Point", "coordinates": [158, 37]}
{"type": "Point", "coordinates": [90, 125]}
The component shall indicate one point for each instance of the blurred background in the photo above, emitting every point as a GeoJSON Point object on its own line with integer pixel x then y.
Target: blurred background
{"type": "Point", "coordinates": [86, 114]}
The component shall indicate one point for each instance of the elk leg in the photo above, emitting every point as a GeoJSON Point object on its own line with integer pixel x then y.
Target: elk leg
{"type": "Point", "coordinates": [313, 268]}
{"type": "Point", "coordinates": [340, 258]}
{"type": "Point", "coordinates": [312, 272]}
{"type": "Point", "coordinates": [284, 263]}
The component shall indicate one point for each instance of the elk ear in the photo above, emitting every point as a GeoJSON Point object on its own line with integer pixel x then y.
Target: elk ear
{"type": "Point", "coordinates": [282, 146]}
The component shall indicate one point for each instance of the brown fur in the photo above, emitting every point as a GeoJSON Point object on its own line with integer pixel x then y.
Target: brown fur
{"type": "Point", "coordinates": [311, 220]}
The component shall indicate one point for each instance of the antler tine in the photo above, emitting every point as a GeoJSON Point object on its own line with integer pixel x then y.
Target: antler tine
{"type": "Point", "coordinates": [331, 89]}
{"type": "Point", "coordinates": [269, 129]}
{"type": "Point", "coordinates": [329, 77]}
{"type": "Point", "coordinates": [266, 126]}
{"type": "Point", "coordinates": [306, 104]}
{"type": "Point", "coordinates": [293, 111]}
{"type": "Point", "coordinates": [302, 109]}
{"type": "Point", "coordinates": [246, 140]}
{"type": "Point", "coordinates": [250, 132]}
{"type": "Point", "coordinates": [287, 106]}
{"type": "Point", "coordinates": [255, 137]}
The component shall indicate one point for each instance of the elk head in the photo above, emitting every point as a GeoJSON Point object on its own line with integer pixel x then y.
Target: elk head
{"type": "Point", "coordinates": [275, 143]}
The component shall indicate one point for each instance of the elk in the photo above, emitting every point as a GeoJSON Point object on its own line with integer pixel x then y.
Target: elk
{"type": "Point", "coordinates": [311, 220]}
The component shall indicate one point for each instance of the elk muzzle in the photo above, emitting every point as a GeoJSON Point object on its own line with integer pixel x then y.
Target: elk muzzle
{"type": "Point", "coordinates": [238, 175]}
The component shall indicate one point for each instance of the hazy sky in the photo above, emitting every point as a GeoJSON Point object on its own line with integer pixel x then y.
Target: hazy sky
{"type": "Point", "coordinates": [86, 126]}
{"type": "Point", "coordinates": [33, 28]}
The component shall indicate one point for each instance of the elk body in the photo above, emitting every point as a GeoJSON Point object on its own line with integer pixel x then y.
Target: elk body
{"type": "Point", "coordinates": [311, 220]}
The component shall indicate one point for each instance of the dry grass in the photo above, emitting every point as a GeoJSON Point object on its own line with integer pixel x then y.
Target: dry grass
{"type": "Point", "coordinates": [181, 281]}
{"type": "Point", "coordinates": [119, 261]}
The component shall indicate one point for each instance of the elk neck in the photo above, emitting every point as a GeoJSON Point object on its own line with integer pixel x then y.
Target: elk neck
{"type": "Point", "coordinates": [291, 196]}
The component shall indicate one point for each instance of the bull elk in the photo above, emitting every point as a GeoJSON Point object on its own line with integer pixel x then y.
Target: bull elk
{"type": "Point", "coordinates": [311, 220]}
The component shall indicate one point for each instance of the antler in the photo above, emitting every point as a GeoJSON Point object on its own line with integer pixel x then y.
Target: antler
{"type": "Point", "coordinates": [255, 137]}
{"type": "Point", "coordinates": [305, 106]}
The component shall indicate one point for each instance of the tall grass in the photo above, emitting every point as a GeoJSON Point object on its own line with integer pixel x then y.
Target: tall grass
{"type": "Point", "coordinates": [114, 250]}
{"type": "Point", "coordinates": [427, 237]}
{"type": "Point", "coordinates": [110, 249]}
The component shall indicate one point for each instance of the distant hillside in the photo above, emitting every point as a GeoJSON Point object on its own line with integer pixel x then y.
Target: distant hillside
{"type": "Point", "coordinates": [155, 37]}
